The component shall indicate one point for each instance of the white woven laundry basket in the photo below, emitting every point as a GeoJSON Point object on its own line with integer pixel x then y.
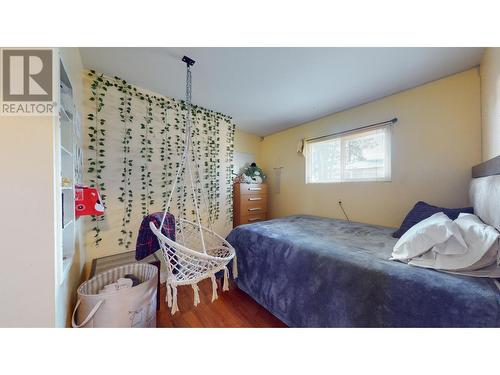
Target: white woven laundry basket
{"type": "Point", "coordinates": [128, 307]}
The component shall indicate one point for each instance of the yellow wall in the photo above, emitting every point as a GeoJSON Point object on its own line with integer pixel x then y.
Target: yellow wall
{"type": "Point", "coordinates": [248, 143]}
{"type": "Point", "coordinates": [434, 145]}
{"type": "Point", "coordinates": [490, 102]}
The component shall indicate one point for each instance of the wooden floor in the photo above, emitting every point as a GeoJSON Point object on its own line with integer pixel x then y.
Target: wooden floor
{"type": "Point", "coordinates": [233, 308]}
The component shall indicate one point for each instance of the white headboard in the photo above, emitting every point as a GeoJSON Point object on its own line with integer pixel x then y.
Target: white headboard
{"type": "Point", "coordinates": [485, 191]}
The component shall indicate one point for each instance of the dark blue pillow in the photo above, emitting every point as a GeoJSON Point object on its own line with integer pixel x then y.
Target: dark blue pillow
{"type": "Point", "coordinates": [422, 211]}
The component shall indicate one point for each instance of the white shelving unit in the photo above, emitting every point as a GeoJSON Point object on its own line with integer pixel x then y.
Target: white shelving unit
{"type": "Point", "coordinates": [67, 150]}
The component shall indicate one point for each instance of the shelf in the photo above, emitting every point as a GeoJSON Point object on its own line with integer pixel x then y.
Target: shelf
{"type": "Point", "coordinates": [66, 265]}
{"type": "Point", "coordinates": [68, 224]}
{"type": "Point", "coordinates": [68, 208]}
{"type": "Point", "coordinates": [66, 150]}
{"type": "Point", "coordinates": [67, 228]}
{"type": "Point", "coordinates": [67, 136]}
{"type": "Point", "coordinates": [65, 115]}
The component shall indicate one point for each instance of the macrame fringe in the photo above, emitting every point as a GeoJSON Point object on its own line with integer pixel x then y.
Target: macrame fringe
{"type": "Point", "coordinates": [169, 295]}
{"type": "Point", "coordinates": [196, 291]}
{"type": "Point", "coordinates": [214, 288]}
{"type": "Point", "coordinates": [225, 286]}
{"type": "Point", "coordinates": [175, 308]}
{"type": "Point", "coordinates": [235, 267]}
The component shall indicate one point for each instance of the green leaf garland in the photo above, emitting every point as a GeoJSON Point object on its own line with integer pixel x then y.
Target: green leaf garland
{"type": "Point", "coordinates": [209, 129]}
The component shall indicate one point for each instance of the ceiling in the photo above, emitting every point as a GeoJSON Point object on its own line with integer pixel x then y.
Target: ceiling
{"type": "Point", "coordinates": [266, 90]}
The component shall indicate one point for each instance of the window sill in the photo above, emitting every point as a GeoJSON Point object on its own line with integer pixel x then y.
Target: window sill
{"type": "Point", "coordinates": [345, 182]}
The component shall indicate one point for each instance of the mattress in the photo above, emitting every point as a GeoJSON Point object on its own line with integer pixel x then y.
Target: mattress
{"type": "Point", "coordinates": [316, 272]}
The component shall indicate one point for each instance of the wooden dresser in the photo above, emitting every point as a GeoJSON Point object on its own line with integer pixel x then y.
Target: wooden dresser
{"type": "Point", "coordinates": [250, 203]}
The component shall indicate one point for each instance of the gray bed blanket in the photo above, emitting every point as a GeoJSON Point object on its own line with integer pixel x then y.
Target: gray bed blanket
{"type": "Point", "coordinates": [316, 272]}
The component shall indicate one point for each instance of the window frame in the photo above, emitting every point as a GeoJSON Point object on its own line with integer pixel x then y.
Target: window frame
{"type": "Point", "coordinates": [343, 136]}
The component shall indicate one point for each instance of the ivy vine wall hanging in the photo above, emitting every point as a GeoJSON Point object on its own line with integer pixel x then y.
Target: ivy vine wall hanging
{"type": "Point", "coordinates": [134, 144]}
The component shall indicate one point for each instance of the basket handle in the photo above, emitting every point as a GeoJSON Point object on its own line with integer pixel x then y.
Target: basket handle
{"type": "Point", "coordinates": [87, 319]}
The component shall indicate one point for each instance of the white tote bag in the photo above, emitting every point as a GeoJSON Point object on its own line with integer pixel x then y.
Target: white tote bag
{"type": "Point", "coordinates": [128, 307]}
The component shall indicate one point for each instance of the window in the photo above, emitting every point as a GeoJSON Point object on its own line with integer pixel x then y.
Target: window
{"type": "Point", "coordinates": [357, 156]}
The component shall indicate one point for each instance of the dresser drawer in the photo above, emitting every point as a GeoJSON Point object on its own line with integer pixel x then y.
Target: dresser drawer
{"type": "Point", "coordinates": [246, 189]}
{"type": "Point", "coordinates": [252, 218]}
{"type": "Point", "coordinates": [254, 197]}
{"type": "Point", "coordinates": [252, 204]}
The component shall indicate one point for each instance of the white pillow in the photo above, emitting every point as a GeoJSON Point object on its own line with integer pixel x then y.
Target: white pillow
{"type": "Point", "coordinates": [438, 230]}
{"type": "Point", "coordinates": [482, 242]}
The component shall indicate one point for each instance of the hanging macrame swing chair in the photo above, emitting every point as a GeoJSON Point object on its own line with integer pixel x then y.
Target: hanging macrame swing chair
{"type": "Point", "coordinates": [198, 252]}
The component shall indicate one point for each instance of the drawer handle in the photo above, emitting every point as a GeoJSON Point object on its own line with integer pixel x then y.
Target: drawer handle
{"type": "Point", "coordinates": [254, 189]}
{"type": "Point", "coordinates": [255, 219]}
{"type": "Point", "coordinates": [255, 209]}
{"type": "Point", "coordinates": [254, 199]}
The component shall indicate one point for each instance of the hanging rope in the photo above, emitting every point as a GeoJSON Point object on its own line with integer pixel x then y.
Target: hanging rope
{"type": "Point", "coordinates": [197, 253]}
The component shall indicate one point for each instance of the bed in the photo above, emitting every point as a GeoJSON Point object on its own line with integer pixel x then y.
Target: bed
{"type": "Point", "coordinates": [317, 272]}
